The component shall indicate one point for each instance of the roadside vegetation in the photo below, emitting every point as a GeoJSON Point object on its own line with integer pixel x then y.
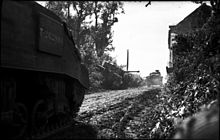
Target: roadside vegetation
{"type": "Point", "coordinates": [194, 84]}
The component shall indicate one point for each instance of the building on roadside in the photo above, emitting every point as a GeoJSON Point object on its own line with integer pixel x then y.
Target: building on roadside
{"type": "Point", "coordinates": [192, 22]}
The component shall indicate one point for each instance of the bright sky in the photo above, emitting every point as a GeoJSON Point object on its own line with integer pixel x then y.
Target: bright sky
{"type": "Point", "coordinates": [144, 31]}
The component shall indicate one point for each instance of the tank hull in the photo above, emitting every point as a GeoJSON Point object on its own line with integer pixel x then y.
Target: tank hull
{"type": "Point", "coordinates": [43, 81]}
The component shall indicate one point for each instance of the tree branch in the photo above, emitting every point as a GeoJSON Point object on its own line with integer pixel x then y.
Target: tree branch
{"type": "Point", "coordinates": [149, 3]}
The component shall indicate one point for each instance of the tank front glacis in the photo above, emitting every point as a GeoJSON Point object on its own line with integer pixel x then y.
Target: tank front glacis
{"type": "Point", "coordinates": [43, 80]}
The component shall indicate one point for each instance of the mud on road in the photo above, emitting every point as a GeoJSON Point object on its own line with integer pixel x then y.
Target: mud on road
{"type": "Point", "coordinates": [115, 114]}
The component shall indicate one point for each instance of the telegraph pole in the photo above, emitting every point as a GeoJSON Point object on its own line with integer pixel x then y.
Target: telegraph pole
{"type": "Point", "coordinates": [128, 63]}
{"type": "Point", "coordinates": [127, 58]}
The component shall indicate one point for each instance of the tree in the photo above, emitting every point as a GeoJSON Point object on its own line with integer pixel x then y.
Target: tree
{"type": "Point", "coordinates": [81, 22]}
{"type": "Point", "coordinates": [106, 13]}
{"type": "Point", "coordinates": [90, 23]}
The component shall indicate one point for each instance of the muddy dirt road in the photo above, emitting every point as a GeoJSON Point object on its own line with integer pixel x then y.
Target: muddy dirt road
{"type": "Point", "coordinates": [115, 114]}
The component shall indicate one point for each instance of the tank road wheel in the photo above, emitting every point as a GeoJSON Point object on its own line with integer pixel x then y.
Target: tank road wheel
{"type": "Point", "coordinates": [39, 117]}
{"type": "Point", "coordinates": [20, 119]}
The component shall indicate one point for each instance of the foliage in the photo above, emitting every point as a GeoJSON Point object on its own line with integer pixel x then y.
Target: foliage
{"type": "Point", "coordinates": [96, 80]}
{"type": "Point", "coordinates": [132, 80]}
{"type": "Point", "coordinates": [194, 83]}
{"type": "Point", "coordinates": [81, 22]}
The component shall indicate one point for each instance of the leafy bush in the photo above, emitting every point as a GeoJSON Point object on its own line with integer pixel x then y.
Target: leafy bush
{"type": "Point", "coordinates": [133, 80]}
{"type": "Point", "coordinates": [195, 79]}
{"type": "Point", "coordinates": [96, 79]}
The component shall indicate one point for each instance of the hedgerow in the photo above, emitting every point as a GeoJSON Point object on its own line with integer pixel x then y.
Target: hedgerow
{"type": "Point", "coordinates": [194, 82]}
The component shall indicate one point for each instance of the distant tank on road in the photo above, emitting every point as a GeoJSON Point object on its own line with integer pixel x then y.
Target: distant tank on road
{"type": "Point", "coordinates": [154, 79]}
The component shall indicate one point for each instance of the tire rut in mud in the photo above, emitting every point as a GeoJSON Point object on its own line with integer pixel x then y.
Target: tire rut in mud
{"type": "Point", "coordinates": [124, 114]}
{"type": "Point", "coordinates": [129, 118]}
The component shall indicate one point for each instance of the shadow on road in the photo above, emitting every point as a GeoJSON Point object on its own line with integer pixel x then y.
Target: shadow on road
{"type": "Point", "coordinates": [78, 130]}
{"type": "Point", "coordinates": [84, 131]}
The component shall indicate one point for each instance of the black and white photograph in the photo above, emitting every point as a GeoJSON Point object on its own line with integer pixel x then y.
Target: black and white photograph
{"type": "Point", "coordinates": [110, 69]}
